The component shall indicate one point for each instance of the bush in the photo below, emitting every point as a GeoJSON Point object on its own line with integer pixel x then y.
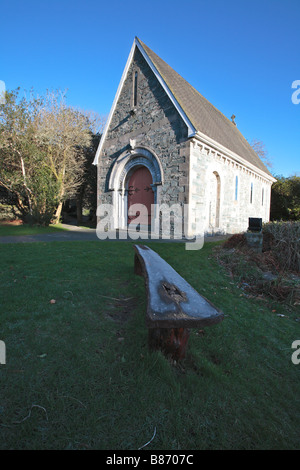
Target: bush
{"type": "Point", "coordinates": [270, 273]}
{"type": "Point", "coordinates": [284, 241]}
{"type": "Point", "coordinates": [8, 212]}
{"type": "Point", "coordinates": [235, 241]}
{"type": "Point", "coordinates": [268, 241]}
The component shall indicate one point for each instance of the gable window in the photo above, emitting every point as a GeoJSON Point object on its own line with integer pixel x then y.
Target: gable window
{"type": "Point", "coordinates": [251, 193]}
{"type": "Point", "coordinates": [236, 188]}
{"type": "Point", "coordinates": [135, 85]}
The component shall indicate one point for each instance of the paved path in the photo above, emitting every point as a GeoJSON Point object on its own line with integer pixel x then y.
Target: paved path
{"type": "Point", "coordinates": [74, 233]}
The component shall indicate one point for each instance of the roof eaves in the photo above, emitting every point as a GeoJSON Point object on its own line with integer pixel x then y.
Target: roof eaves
{"type": "Point", "coordinates": [219, 147]}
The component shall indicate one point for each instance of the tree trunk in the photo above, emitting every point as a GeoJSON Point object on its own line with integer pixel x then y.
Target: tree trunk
{"type": "Point", "coordinates": [62, 193]}
{"type": "Point", "coordinates": [58, 213]}
{"type": "Point", "coordinates": [26, 187]}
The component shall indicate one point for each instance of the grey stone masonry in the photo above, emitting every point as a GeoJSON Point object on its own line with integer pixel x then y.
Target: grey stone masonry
{"type": "Point", "coordinates": [154, 124]}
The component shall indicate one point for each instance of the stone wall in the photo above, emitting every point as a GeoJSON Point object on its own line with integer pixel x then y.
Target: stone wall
{"type": "Point", "coordinates": [208, 167]}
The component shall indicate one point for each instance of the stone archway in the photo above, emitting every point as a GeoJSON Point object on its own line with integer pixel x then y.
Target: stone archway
{"type": "Point", "coordinates": [123, 168]}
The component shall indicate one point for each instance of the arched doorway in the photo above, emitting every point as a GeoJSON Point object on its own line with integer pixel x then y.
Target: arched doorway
{"type": "Point", "coordinates": [214, 200]}
{"type": "Point", "coordinates": [119, 180]}
{"type": "Point", "coordinates": [139, 191]}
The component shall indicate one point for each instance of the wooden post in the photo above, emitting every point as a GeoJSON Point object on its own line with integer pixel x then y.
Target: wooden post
{"type": "Point", "coordinates": [171, 341]}
{"type": "Point", "coordinates": [137, 266]}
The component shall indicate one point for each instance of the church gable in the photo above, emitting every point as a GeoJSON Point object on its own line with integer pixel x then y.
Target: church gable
{"type": "Point", "coordinates": [143, 106]}
{"type": "Point", "coordinates": [143, 116]}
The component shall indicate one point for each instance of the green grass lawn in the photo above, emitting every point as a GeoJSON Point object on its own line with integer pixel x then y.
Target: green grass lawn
{"type": "Point", "coordinates": [7, 229]}
{"type": "Point", "coordinates": [84, 363]}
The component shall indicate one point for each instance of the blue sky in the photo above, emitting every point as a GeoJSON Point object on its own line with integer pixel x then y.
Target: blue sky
{"type": "Point", "coordinates": [243, 56]}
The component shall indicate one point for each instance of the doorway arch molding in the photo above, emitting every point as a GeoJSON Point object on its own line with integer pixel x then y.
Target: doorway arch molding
{"type": "Point", "coordinates": [122, 168]}
{"type": "Point", "coordinates": [214, 197]}
{"type": "Point", "coordinates": [139, 156]}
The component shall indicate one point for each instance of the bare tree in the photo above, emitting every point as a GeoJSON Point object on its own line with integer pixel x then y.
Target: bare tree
{"type": "Point", "coordinates": [260, 148]}
{"type": "Point", "coordinates": [64, 133]}
{"type": "Point", "coordinates": [42, 150]}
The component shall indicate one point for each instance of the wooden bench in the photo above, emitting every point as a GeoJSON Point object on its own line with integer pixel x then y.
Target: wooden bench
{"type": "Point", "coordinates": [173, 306]}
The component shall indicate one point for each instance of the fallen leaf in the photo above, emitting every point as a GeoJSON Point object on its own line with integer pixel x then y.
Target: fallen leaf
{"type": "Point", "coordinates": [52, 301]}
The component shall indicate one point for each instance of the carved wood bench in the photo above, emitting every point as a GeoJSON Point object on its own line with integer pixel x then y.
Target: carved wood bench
{"type": "Point", "coordinates": [173, 306]}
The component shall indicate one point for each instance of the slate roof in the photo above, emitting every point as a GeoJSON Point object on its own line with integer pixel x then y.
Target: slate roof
{"type": "Point", "coordinates": [202, 114]}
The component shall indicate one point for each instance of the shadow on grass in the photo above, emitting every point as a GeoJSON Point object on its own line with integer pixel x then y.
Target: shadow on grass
{"type": "Point", "coordinates": [9, 229]}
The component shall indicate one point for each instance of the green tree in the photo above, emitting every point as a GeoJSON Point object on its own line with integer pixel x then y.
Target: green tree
{"type": "Point", "coordinates": [86, 195]}
{"type": "Point", "coordinates": [21, 159]}
{"type": "Point", "coordinates": [285, 198]}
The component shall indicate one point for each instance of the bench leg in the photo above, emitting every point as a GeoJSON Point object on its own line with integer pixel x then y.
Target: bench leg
{"type": "Point", "coordinates": [171, 341]}
{"type": "Point", "coordinates": [137, 266]}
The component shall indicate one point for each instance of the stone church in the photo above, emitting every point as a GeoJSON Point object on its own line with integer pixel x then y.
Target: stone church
{"type": "Point", "coordinates": [165, 144]}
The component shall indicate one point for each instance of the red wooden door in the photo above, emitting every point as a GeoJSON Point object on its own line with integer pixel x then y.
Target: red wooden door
{"type": "Point", "coordinates": [140, 192]}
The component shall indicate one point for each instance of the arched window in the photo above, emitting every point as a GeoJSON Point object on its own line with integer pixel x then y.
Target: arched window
{"type": "Point", "coordinates": [214, 200]}
{"type": "Point", "coordinates": [236, 188]}
{"type": "Point", "coordinates": [251, 193]}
